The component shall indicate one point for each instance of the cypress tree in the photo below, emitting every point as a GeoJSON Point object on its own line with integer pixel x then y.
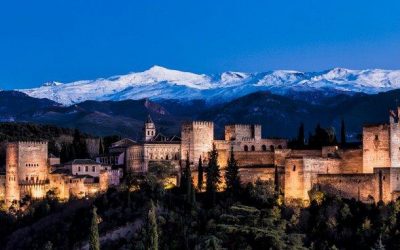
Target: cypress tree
{"type": "Point", "coordinates": [152, 228]}
{"type": "Point", "coordinates": [232, 174]}
{"type": "Point", "coordinates": [184, 174]}
{"type": "Point", "coordinates": [101, 147]}
{"type": "Point", "coordinates": [193, 195]}
{"type": "Point", "coordinates": [188, 179]}
{"type": "Point", "coordinates": [343, 133]}
{"type": "Point", "coordinates": [79, 145]}
{"type": "Point", "coordinates": [200, 175]}
{"type": "Point", "coordinates": [94, 242]}
{"type": "Point", "coordinates": [300, 137]}
{"type": "Point", "coordinates": [213, 175]}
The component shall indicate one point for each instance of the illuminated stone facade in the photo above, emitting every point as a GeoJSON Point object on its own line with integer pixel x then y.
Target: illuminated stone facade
{"type": "Point", "coordinates": [29, 173]}
{"type": "Point", "coordinates": [369, 173]}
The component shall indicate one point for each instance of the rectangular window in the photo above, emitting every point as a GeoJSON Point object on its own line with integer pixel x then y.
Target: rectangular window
{"type": "Point", "coordinates": [93, 168]}
{"type": "Point", "coordinates": [86, 169]}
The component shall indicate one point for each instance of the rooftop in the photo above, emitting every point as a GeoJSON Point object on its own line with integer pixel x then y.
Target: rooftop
{"type": "Point", "coordinates": [82, 162]}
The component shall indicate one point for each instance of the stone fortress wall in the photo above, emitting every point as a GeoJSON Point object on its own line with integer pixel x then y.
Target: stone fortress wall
{"type": "Point", "coordinates": [369, 174]}
{"type": "Point", "coordinates": [376, 147]}
{"type": "Point", "coordinates": [196, 139]}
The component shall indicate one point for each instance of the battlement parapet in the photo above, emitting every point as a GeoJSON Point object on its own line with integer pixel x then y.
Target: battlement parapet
{"type": "Point", "coordinates": [243, 125]}
{"type": "Point", "coordinates": [26, 143]}
{"type": "Point", "coordinates": [198, 123]}
{"type": "Point", "coordinates": [33, 183]}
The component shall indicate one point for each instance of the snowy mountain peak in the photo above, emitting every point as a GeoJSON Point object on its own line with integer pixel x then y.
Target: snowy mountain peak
{"type": "Point", "coordinates": [162, 83]}
{"type": "Point", "coordinates": [51, 84]}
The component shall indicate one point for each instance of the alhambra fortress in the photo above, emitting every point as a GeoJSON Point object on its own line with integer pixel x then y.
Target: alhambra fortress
{"type": "Point", "coordinates": [369, 173]}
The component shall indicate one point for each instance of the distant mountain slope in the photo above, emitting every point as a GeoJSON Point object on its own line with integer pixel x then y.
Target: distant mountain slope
{"type": "Point", "coordinates": [161, 83]}
{"type": "Point", "coordinates": [279, 115]}
{"type": "Point", "coordinates": [16, 105]}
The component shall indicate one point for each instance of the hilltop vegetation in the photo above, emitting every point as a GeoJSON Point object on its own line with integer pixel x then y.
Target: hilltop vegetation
{"type": "Point", "coordinates": [142, 214]}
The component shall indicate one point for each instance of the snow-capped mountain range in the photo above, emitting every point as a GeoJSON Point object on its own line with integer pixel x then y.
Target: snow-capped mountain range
{"type": "Point", "coordinates": [162, 83]}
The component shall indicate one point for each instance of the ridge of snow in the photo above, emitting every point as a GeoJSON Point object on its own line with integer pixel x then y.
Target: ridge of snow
{"type": "Point", "coordinates": [162, 83]}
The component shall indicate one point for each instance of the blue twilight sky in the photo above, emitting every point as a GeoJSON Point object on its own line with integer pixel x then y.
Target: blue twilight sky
{"type": "Point", "coordinates": [84, 39]}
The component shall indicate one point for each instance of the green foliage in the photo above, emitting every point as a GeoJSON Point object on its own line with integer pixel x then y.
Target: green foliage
{"type": "Point", "coordinates": [213, 175]}
{"type": "Point", "coordinates": [232, 174]}
{"type": "Point", "coordinates": [94, 239]}
{"type": "Point", "coordinates": [316, 196]}
{"type": "Point", "coordinates": [322, 137]}
{"type": "Point", "coordinates": [253, 219]}
{"type": "Point", "coordinates": [262, 192]}
{"type": "Point", "coordinates": [108, 140]}
{"type": "Point", "coordinates": [161, 170]}
{"type": "Point", "coordinates": [152, 229]}
{"type": "Point", "coordinates": [200, 175]}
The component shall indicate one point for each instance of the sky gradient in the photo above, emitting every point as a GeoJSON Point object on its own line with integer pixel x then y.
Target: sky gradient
{"type": "Point", "coordinates": [72, 40]}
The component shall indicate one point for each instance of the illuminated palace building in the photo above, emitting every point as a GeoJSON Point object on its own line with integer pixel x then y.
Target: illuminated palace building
{"type": "Point", "coordinates": [369, 173]}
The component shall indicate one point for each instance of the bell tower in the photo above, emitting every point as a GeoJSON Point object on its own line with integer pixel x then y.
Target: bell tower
{"type": "Point", "coordinates": [149, 129]}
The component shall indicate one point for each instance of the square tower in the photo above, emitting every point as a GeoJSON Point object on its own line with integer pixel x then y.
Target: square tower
{"type": "Point", "coordinates": [241, 132]}
{"type": "Point", "coordinates": [197, 140]}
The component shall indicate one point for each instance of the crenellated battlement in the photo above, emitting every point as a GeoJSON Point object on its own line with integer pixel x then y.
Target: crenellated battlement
{"type": "Point", "coordinates": [198, 123]}
{"type": "Point", "coordinates": [244, 125]}
{"type": "Point", "coordinates": [32, 142]}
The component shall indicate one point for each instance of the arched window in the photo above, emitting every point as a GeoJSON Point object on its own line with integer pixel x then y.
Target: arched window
{"type": "Point", "coordinates": [253, 148]}
{"type": "Point", "coordinates": [294, 168]}
{"type": "Point", "coordinates": [272, 148]}
{"type": "Point", "coordinates": [264, 148]}
{"type": "Point", "coordinates": [246, 148]}
{"type": "Point", "coordinates": [167, 157]}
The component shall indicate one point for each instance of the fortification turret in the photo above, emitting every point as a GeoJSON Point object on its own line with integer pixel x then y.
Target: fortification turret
{"type": "Point", "coordinates": [395, 138]}
{"type": "Point", "coordinates": [197, 139]}
{"type": "Point", "coordinates": [12, 187]}
{"type": "Point", "coordinates": [149, 129]}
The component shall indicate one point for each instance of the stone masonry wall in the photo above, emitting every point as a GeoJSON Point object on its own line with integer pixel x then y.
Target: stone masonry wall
{"type": "Point", "coordinates": [376, 147]}
{"type": "Point", "coordinates": [197, 139]}
{"type": "Point", "coordinates": [351, 160]}
{"type": "Point", "coordinates": [362, 187]}
{"type": "Point", "coordinates": [32, 162]}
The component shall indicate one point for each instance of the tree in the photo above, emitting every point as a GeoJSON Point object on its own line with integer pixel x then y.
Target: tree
{"type": "Point", "coordinates": [300, 136]}
{"type": "Point", "coordinates": [200, 175]}
{"type": "Point", "coordinates": [343, 133]}
{"type": "Point", "coordinates": [213, 175]}
{"type": "Point", "coordinates": [48, 245]}
{"type": "Point", "coordinates": [184, 174]}
{"type": "Point", "coordinates": [65, 154]}
{"type": "Point", "coordinates": [79, 145]}
{"type": "Point", "coordinates": [152, 228]}
{"type": "Point", "coordinates": [101, 146]}
{"type": "Point", "coordinates": [94, 241]}
{"type": "Point", "coordinates": [187, 183]}
{"type": "Point", "coordinates": [232, 177]}
{"type": "Point", "coordinates": [379, 245]}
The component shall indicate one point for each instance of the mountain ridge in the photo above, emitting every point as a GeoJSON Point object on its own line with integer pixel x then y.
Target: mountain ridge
{"type": "Point", "coordinates": [279, 115]}
{"type": "Point", "coordinates": [162, 83]}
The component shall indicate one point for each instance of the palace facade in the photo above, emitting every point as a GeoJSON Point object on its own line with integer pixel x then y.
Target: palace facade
{"type": "Point", "coordinates": [368, 173]}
